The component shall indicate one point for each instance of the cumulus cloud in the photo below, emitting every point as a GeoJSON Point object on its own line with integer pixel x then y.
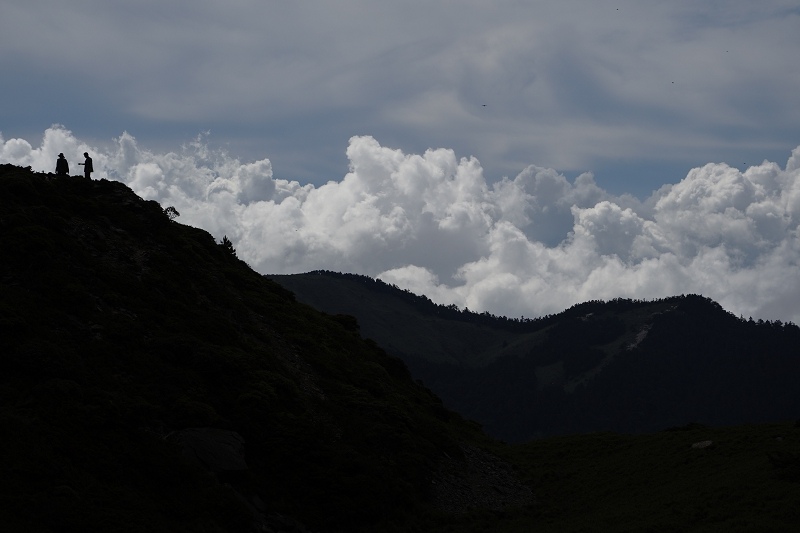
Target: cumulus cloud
{"type": "Point", "coordinates": [523, 246]}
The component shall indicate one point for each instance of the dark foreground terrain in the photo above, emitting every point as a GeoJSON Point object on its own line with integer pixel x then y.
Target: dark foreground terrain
{"type": "Point", "coordinates": [151, 381]}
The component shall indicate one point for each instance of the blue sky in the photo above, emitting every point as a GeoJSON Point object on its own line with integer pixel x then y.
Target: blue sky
{"type": "Point", "coordinates": [512, 156]}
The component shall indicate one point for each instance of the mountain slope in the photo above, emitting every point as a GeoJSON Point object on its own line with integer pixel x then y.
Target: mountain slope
{"type": "Point", "coordinates": [151, 381]}
{"type": "Point", "coordinates": [623, 365]}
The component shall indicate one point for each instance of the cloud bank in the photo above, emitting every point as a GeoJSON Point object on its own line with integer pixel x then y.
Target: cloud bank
{"type": "Point", "coordinates": [524, 246]}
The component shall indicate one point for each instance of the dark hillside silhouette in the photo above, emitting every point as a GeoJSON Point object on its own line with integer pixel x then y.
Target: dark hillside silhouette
{"type": "Point", "coordinates": [151, 381]}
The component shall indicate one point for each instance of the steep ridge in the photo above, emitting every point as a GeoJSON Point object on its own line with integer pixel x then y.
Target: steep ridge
{"type": "Point", "coordinates": [624, 365]}
{"type": "Point", "coordinates": [151, 381]}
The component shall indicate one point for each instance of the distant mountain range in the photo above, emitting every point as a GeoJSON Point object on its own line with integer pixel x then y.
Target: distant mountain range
{"type": "Point", "coordinates": [623, 365]}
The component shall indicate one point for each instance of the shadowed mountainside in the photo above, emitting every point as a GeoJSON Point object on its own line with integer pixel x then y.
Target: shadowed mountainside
{"type": "Point", "coordinates": [623, 365]}
{"type": "Point", "coordinates": [151, 381]}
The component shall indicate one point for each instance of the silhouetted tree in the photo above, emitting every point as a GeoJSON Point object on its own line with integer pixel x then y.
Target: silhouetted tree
{"type": "Point", "coordinates": [171, 212]}
{"type": "Point", "coordinates": [228, 245]}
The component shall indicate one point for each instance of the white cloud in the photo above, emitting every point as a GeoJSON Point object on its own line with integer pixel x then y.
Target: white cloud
{"type": "Point", "coordinates": [530, 245]}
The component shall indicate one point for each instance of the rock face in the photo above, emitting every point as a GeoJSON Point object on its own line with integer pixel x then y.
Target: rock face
{"type": "Point", "coordinates": [218, 450]}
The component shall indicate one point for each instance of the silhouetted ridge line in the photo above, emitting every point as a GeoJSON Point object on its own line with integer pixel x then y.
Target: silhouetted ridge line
{"type": "Point", "coordinates": [425, 305]}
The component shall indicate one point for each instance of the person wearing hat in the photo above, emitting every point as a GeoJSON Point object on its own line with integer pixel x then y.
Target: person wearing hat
{"type": "Point", "coordinates": [62, 167]}
{"type": "Point", "coordinates": [87, 166]}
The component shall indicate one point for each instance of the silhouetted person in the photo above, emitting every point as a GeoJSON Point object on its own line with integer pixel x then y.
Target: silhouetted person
{"type": "Point", "coordinates": [87, 166]}
{"type": "Point", "coordinates": [62, 166]}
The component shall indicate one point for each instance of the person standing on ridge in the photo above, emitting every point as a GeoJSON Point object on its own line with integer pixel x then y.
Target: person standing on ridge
{"type": "Point", "coordinates": [62, 166]}
{"type": "Point", "coordinates": [87, 166]}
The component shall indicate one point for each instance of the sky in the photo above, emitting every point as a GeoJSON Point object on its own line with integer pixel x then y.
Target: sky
{"type": "Point", "coordinates": [511, 157]}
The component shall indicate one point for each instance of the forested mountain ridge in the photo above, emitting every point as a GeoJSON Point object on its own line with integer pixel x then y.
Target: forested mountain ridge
{"type": "Point", "coordinates": [622, 365]}
{"type": "Point", "coordinates": [151, 381]}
